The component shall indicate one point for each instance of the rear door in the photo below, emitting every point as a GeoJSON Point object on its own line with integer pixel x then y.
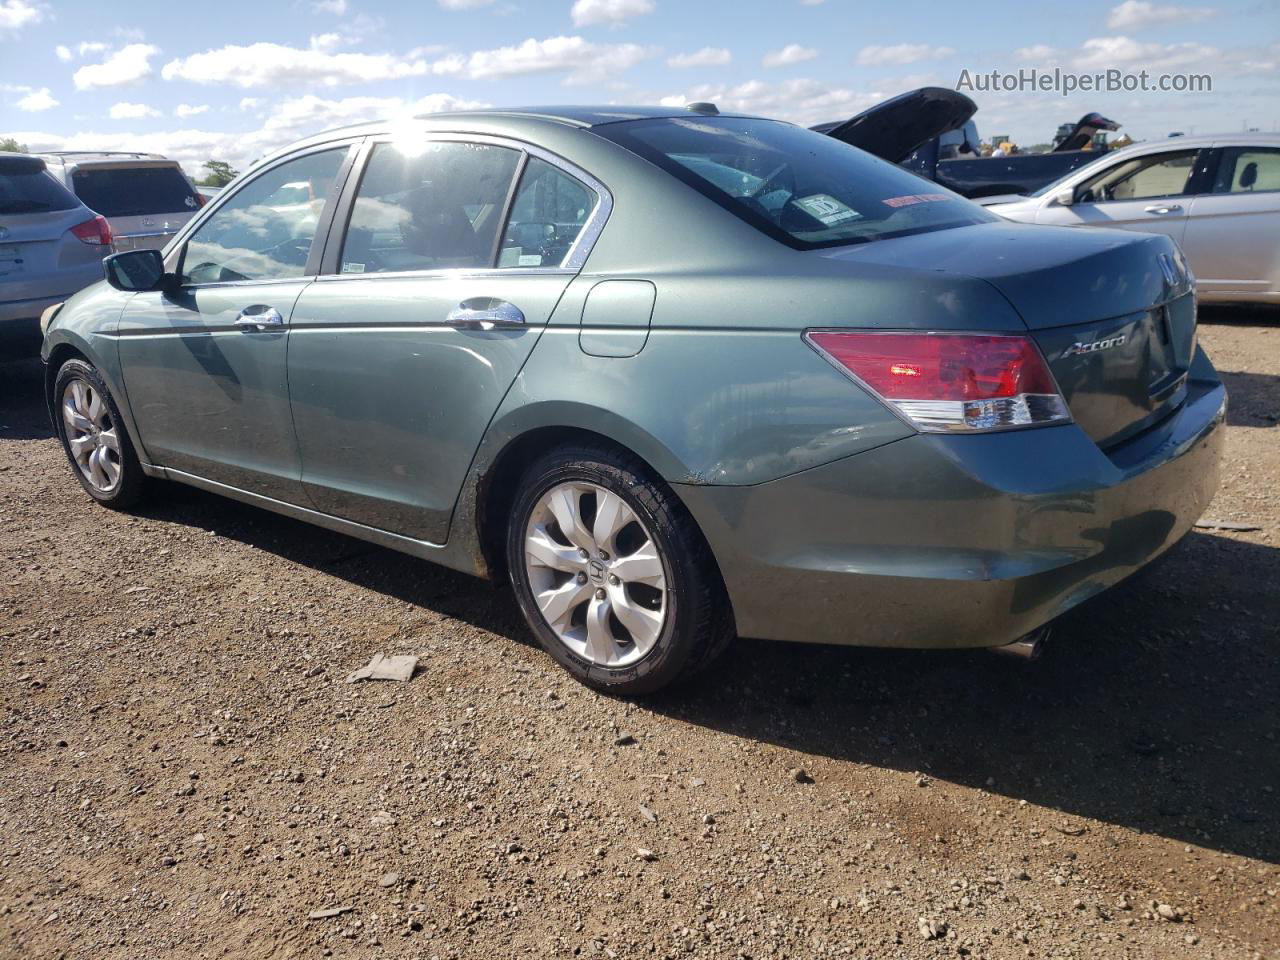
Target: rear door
{"type": "Point", "coordinates": [204, 365]}
{"type": "Point", "coordinates": [447, 259]}
{"type": "Point", "coordinates": [146, 201]}
{"type": "Point", "coordinates": [1148, 193]}
{"type": "Point", "coordinates": [1233, 232]}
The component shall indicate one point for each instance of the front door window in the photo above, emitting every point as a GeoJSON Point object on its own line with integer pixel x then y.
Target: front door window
{"type": "Point", "coordinates": [266, 230]}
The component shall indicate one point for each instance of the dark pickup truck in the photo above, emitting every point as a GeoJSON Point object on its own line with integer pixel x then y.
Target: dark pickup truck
{"type": "Point", "coordinates": [908, 130]}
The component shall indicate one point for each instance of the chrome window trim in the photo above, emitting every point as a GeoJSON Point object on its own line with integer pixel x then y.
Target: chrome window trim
{"type": "Point", "coordinates": [578, 253]}
{"type": "Point", "coordinates": [449, 273]}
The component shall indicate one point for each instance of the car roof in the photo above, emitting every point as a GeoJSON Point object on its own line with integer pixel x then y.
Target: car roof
{"type": "Point", "coordinates": [1204, 140]}
{"type": "Point", "coordinates": [484, 121]}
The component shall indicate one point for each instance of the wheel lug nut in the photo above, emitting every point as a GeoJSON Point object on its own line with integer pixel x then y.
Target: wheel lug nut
{"type": "Point", "coordinates": [600, 594]}
{"type": "Point", "coordinates": [604, 555]}
{"type": "Point", "coordinates": [582, 578]}
{"type": "Point", "coordinates": [613, 579]}
{"type": "Point", "coordinates": [583, 553]}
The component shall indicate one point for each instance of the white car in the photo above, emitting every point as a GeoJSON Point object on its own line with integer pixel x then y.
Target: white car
{"type": "Point", "coordinates": [1217, 196]}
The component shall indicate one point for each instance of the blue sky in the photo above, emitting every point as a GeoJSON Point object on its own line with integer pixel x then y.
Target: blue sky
{"type": "Point", "coordinates": [232, 80]}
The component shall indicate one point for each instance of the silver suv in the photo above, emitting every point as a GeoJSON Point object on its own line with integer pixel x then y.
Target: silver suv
{"type": "Point", "coordinates": [51, 244]}
{"type": "Point", "coordinates": [145, 197]}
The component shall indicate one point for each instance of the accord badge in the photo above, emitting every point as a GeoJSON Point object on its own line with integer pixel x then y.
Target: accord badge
{"type": "Point", "coordinates": [1079, 348]}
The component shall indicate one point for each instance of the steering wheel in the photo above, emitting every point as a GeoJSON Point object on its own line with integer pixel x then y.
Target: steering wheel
{"type": "Point", "coordinates": [293, 251]}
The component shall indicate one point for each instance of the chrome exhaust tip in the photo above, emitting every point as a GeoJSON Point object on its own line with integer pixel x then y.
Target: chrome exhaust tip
{"type": "Point", "coordinates": [1027, 647]}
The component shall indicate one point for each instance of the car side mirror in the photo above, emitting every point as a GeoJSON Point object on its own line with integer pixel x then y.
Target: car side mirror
{"type": "Point", "coordinates": [136, 271]}
{"type": "Point", "coordinates": [1065, 197]}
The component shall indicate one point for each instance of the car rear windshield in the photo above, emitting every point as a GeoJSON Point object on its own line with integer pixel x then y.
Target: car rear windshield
{"type": "Point", "coordinates": [134, 191]}
{"type": "Point", "coordinates": [800, 187]}
{"type": "Point", "coordinates": [25, 187]}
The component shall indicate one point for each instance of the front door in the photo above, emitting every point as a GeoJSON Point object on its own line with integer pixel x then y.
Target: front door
{"type": "Point", "coordinates": [204, 365]}
{"type": "Point", "coordinates": [399, 357]}
{"type": "Point", "coordinates": [1145, 193]}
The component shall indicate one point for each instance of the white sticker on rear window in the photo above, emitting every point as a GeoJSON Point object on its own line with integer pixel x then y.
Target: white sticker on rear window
{"type": "Point", "coordinates": [530, 259]}
{"type": "Point", "coordinates": [827, 208]}
{"type": "Point", "coordinates": [351, 266]}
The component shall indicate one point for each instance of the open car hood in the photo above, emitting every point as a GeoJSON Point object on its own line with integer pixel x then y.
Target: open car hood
{"type": "Point", "coordinates": [1084, 130]}
{"type": "Point", "coordinates": [895, 128]}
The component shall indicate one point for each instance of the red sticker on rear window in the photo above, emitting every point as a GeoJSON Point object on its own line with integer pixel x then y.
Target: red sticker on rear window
{"type": "Point", "coordinates": [910, 198]}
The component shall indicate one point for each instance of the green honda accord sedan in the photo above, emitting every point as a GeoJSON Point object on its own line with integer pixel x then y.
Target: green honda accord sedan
{"type": "Point", "coordinates": [680, 376]}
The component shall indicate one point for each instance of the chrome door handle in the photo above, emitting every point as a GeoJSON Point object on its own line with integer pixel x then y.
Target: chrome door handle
{"type": "Point", "coordinates": [259, 317]}
{"type": "Point", "coordinates": [1162, 208]}
{"type": "Point", "coordinates": [484, 313]}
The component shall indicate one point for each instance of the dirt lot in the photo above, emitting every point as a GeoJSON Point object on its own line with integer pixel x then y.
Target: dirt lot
{"type": "Point", "coordinates": [183, 772]}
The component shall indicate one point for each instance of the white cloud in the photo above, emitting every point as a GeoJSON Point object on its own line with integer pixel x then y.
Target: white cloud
{"type": "Point", "coordinates": [63, 53]}
{"type": "Point", "coordinates": [127, 65]}
{"type": "Point", "coordinates": [16, 14]}
{"type": "Point", "coordinates": [706, 57]}
{"type": "Point", "coordinates": [272, 64]}
{"type": "Point", "coordinates": [1136, 14]}
{"type": "Point", "coordinates": [250, 103]}
{"type": "Point", "coordinates": [1038, 52]}
{"type": "Point", "coordinates": [584, 61]}
{"type": "Point", "coordinates": [1100, 53]}
{"type": "Point", "coordinates": [901, 54]}
{"type": "Point", "coordinates": [33, 100]}
{"type": "Point", "coordinates": [336, 7]}
{"type": "Point", "coordinates": [792, 53]}
{"type": "Point", "coordinates": [288, 121]}
{"type": "Point", "coordinates": [464, 4]}
{"type": "Point", "coordinates": [800, 100]}
{"type": "Point", "coordinates": [87, 46]}
{"type": "Point", "coordinates": [132, 111]}
{"type": "Point", "coordinates": [190, 110]}
{"type": "Point", "coordinates": [585, 13]}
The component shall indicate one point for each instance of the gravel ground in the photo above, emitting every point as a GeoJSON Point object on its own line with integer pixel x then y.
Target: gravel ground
{"type": "Point", "coordinates": [183, 772]}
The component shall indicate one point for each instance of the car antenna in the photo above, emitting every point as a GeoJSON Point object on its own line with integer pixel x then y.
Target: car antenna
{"type": "Point", "coordinates": [703, 107]}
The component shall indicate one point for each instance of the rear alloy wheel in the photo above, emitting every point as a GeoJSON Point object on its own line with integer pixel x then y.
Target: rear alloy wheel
{"type": "Point", "coordinates": [94, 437]}
{"type": "Point", "coordinates": [611, 573]}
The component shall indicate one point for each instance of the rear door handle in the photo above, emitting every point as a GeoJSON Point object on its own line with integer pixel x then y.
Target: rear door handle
{"type": "Point", "coordinates": [1162, 208]}
{"type": "Point", "coordinates": [259, 317]}
{"type": "Point", "coordinates": [485, 313]}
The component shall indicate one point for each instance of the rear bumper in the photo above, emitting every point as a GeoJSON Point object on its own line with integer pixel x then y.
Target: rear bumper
{"type": "Point", "coordinates": [21, 318]}
{"type": "Point", "coordinates": [945, 541]}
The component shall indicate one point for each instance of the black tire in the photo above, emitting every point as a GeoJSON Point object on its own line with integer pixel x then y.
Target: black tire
{"type": "Point", "coordinates": [699, 622]}
{"type": "Point", "coordinates": [132, 482]}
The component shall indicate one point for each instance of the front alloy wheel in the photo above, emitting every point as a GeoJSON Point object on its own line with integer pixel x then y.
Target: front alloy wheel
{"type": "Point", "coordinates": [94, 436]}
{"type": "Point", "coordinates": [91, 435]}
{"type": "Point", "coordinates": [611, 572]}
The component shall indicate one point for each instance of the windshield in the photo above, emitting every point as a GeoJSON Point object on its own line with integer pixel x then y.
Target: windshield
{"type": "Point", "coordinates": [25, 187]}
{"type": "Point", "coordinates": [134, 191]}
{"type": "Point", "coordinates": [800, 187]}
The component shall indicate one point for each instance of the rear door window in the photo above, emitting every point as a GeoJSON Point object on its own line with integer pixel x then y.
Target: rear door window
{"type": "Point", "coordinates": [1248, 170]}
{"type": "Point", "coordinates": [429, 206]}
{"type": "Point", "coordinates": [134, 191]}
{"type": "Point", "coordinates": [27, 187]}
{"type": "Point", "coordinates": [549, 212]}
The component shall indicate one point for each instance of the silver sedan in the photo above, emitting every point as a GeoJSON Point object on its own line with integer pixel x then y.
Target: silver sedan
{"type": "Point", "coordinates": [1217, 196]}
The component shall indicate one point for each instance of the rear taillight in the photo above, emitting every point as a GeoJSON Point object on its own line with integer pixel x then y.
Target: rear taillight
{"type": "Point", "coordinates": [950, 382]}
{"type": "Point", "coordinates": [96, 231]}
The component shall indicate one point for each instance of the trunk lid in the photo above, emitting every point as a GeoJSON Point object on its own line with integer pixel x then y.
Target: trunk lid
{"type": "Point", "coordinates": [1111, 311]}
{"type": "Point", "coordinates": [895, 128]}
